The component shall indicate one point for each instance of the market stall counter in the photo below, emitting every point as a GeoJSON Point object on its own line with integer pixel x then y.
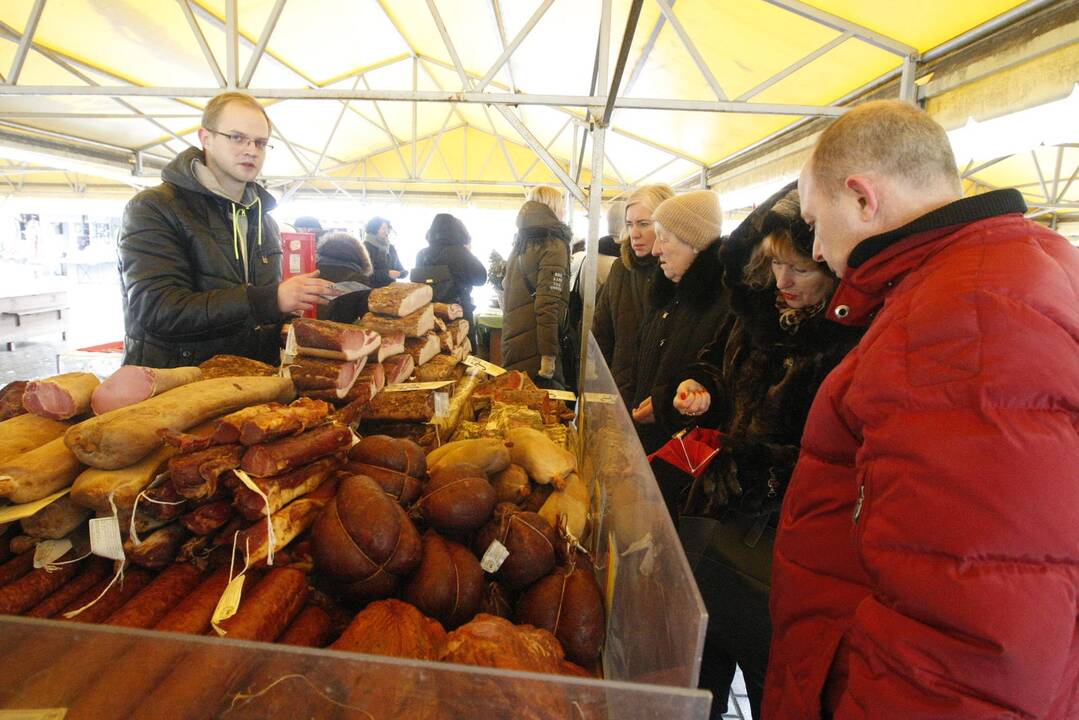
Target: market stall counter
{"type": "Point", "coordinates": [392, 660]}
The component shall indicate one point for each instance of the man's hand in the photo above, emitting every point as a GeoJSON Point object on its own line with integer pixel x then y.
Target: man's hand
{"type": "Point", "coordinates": [692, 398]}
{"type": "Point", "coordinates": [644, 413]}
{"type": "Point", "coordinates": [394, 274]}
{"type": "Point", "coordinates": [303, 292]}
{"type": "Point", "coordinates": [546, 369]}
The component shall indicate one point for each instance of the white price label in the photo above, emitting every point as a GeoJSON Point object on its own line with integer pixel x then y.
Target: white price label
{"type": "Point", "coordinates": [407, 387]}
{"type": "Point", "coordinates": [605, 398]}
{"type": "Point", "coordinates": [488, 367]}
{"type": "Point", "coordinates": [229, 603]}
{"type": "Point", "coordinates": [561, 395]}
{"type": "Point", "coordinates": [442, 404]}
{"type": "Point", "coordinates": [48, 552]}
{"type": "Point", "coordinates": [494, 557]}
{"type": "Point", "coordinates": [105, 538]}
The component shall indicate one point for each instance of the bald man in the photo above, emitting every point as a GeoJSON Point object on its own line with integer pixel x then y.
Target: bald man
{"type": "Point", "coordinates": [927, 559]}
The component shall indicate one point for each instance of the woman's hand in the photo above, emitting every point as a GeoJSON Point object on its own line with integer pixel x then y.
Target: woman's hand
{"type": "Point", "coordinates": [692, 399]}
{"type": "Point", "coordinates": [644, 413]}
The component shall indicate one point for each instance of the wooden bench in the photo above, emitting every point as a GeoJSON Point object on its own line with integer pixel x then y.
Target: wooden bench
{"type": "Point", "coordinates": [26, 316]}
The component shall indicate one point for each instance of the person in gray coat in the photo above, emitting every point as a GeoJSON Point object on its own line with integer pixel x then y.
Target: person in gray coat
{"type": "Point", "coordinates": [537, 289]}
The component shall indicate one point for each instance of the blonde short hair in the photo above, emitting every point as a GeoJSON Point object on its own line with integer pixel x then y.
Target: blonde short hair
{"type": "Point", "coordinates": [889, 136]}
{"type": "Point", "coordinates": [217, 105]}
{"type": "Point", "coordinates": [549, 196]}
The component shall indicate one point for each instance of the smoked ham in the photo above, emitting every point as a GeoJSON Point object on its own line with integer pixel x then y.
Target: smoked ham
{"type": "Point", "coordinates": [416, 324]}
{"type": "Point", "coordinates": [60, 397]}
{"type": "Point", "coordinates": [422, 349]}
{"type": "Point", "coordinates": [278, 421]}
{"type": "Point", "coordinates": [123, 437]}
{"type": "Point", "coordinates": [280, 490]}
{"type": "Point", "coordinates": [308, 373]}
{"type": "Point", "coordinates": [284, 455]}
{"type": "Point", "coordinates": [334, 340]}
{"type": "Point", "coordinates": [39, 472]}
{"type": "Point", "coordinates": [440, 367]}
{"type": "Point", "coordinates": [405, 406]}
{"type": "Point", "coordinates": [399, 299]}
{"type": "Point", "coordinates": [235, 366]}
{"type": "Point", "coordinates": [393, 343]}
{"type": "Point", "coordinates": [11, 399]}
{"type": "Point", "coordinates": [449, 311]}
{"type": "Point", "coordinates": [398, 368]}
{"type": "Point", "coordinates": [133, 383]}
{"type": "Point", "coordinates": [93, 487]}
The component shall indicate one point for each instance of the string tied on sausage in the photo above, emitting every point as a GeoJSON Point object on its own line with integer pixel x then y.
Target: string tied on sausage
{"type": "Point", "coordinates": [117, 577]}
{"type": "Point", "coordinates": [271, 539]}
{"type": "Point", "coordinates": [131, 532]}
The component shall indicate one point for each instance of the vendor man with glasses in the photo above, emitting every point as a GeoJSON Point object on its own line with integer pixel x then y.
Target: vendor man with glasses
{"type": "Point", "coordinates": [200, 257]}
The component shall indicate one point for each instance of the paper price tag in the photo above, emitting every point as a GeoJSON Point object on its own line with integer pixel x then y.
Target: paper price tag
{"type": "Point", "coordinates": [442, 404]}
{"type": "Point", "coordinates": [605, 398]}
{"type": "Point", "coordinates": [105, 538]}
{"type": "Point", "coordinates": [228, 604]}
{"type": "Point", "coordinates": [49, 551]}
{"type": "Point", "coordinates": [488, 367]}
{"type": "Point", "coordinates": [11, 513]}
{"type": "Point", "coordinates": [561, 395]}
{"type": "Point", "coordinates": [493, 558]}
{"type": "Point", "coordinates": [291, 346]}
{"type": "Point", "coordinates": [405, 387]}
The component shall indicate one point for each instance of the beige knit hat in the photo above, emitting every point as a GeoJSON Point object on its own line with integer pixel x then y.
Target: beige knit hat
{"type": "Point", "coordinates": [693, 217]}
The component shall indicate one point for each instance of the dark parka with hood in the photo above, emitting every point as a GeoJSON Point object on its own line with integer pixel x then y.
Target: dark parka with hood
{"type": "Point", "coordinates": [199, 272]}
{"type": "Point", "coordinates": [536, 290]}
{"type": "Point", "coordinates": [447, 239]}
{"type": "Point", "coordinates": [622, 306]}
{"type": "Point", "coordinates": [343, 258]}
{"type": "Point", "coordinates": [682, 318]}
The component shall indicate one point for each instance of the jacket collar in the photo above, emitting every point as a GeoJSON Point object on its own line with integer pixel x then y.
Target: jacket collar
{"type": "Point", "coordinates": [630, 260]}
{"type": "Point", "coordinates": [700, 287]}
{"type": "Point", "coordinates": [878, 263]}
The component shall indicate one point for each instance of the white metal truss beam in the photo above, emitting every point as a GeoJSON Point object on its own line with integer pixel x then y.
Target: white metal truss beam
{"type": "Point", "coordinates": [232, 45]}
{"type": "Point", "coordinates": [185, 5]}
{"type": "Point", "coordinates": [435, 96]}
{"type": "Point", "coordinates": [25, 43]}
{"type": "Point", "coordinates": [646, 51]}
{"type": "Point", "coordinates": [500, 29]}
{"type": "Point", "coordinates": [691, 48]}
{"type": "Point", "coordinates": [837, 23]}
{"type": "Point", "coordinates": [509, 49]}
{"type": "Point", "coordinates": [264, 39]}
{"type": "Point", "coordinates": [795, 67]}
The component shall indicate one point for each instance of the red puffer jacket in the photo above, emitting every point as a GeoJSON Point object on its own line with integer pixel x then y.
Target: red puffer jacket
{"type": "Point", "coordinates": [927, 560]}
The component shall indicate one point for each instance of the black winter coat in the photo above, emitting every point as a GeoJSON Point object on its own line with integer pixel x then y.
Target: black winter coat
{"type": "Point", "coordinates": [622, 307]}
{"type": "Point", "coordinates": [383, 261]}
{"type": "Point", "coordinates": [467, 272]}
{"type": "Point", "coordinates": [683, 317]}
{"type": "Point", "coordinates": [182, 277]}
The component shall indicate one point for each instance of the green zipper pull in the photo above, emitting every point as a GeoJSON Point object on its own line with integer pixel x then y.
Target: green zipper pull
{"type": "Point", "coordinates": [859, 503]}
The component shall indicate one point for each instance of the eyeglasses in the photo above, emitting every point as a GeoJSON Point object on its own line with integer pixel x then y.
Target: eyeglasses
{"type": "Point", "coordinates": [240, 140]}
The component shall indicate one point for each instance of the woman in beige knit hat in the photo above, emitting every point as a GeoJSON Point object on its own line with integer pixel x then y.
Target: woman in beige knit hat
{"type": "Point", "coordinates": [686, 304]}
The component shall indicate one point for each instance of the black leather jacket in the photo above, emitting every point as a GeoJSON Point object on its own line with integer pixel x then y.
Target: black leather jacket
{"type": "Point", "coordinates": [185, 295]}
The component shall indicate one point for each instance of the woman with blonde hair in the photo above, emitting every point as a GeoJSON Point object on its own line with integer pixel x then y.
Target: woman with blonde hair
{"type": "Point", "coordinates": [536, 288]}
{"type": "Point", "coordinates": [623, 299]}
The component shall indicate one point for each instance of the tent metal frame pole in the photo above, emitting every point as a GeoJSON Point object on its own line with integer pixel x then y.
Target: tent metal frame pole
{"type": "Point", "coordinates": [646, 50]}
{"type": "Point", "coordinates": [796, 66]}
{"type": "Point", "coordinates": [500, 28]}
{"type": "Point", "coordinates": [837, 23]}
{"type": "Point", "coordinates": [264, 40]}
{"type": "Point", "coordinates": [548, 145]}
{"type": "Point", "coordinates": [25, 42]}
{"type": "Point", "coordinates": [185, 5]}
{"type": "Point", "coordinates": [232, 44]}
{"type": "Point", "coordinates": [434, 96]}
{"type": "Point", "coordinates": [1041, 177]}
{"type": "Point", "coordinates": [508, 50]}
{"type": "Point", "coordinates": [595, 192]}
{"type": "Point", "coordinates": [691, 48]}
{"type": "Point", "coordinates": [908, 90]}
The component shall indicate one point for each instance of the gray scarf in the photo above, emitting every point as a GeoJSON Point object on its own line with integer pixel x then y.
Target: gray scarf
{"type": "Point", "coordinates": [382, 243]}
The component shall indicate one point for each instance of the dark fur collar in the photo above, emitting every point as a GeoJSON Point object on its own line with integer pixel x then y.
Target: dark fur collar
{"type": "Point", "coordinates": [700, 287]}
{"type": "Point", "coordinates": [760, 320]}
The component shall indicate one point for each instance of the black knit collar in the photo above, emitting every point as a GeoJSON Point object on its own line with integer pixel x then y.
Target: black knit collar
{"type": "Point", "coordinates": [960, 212]}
